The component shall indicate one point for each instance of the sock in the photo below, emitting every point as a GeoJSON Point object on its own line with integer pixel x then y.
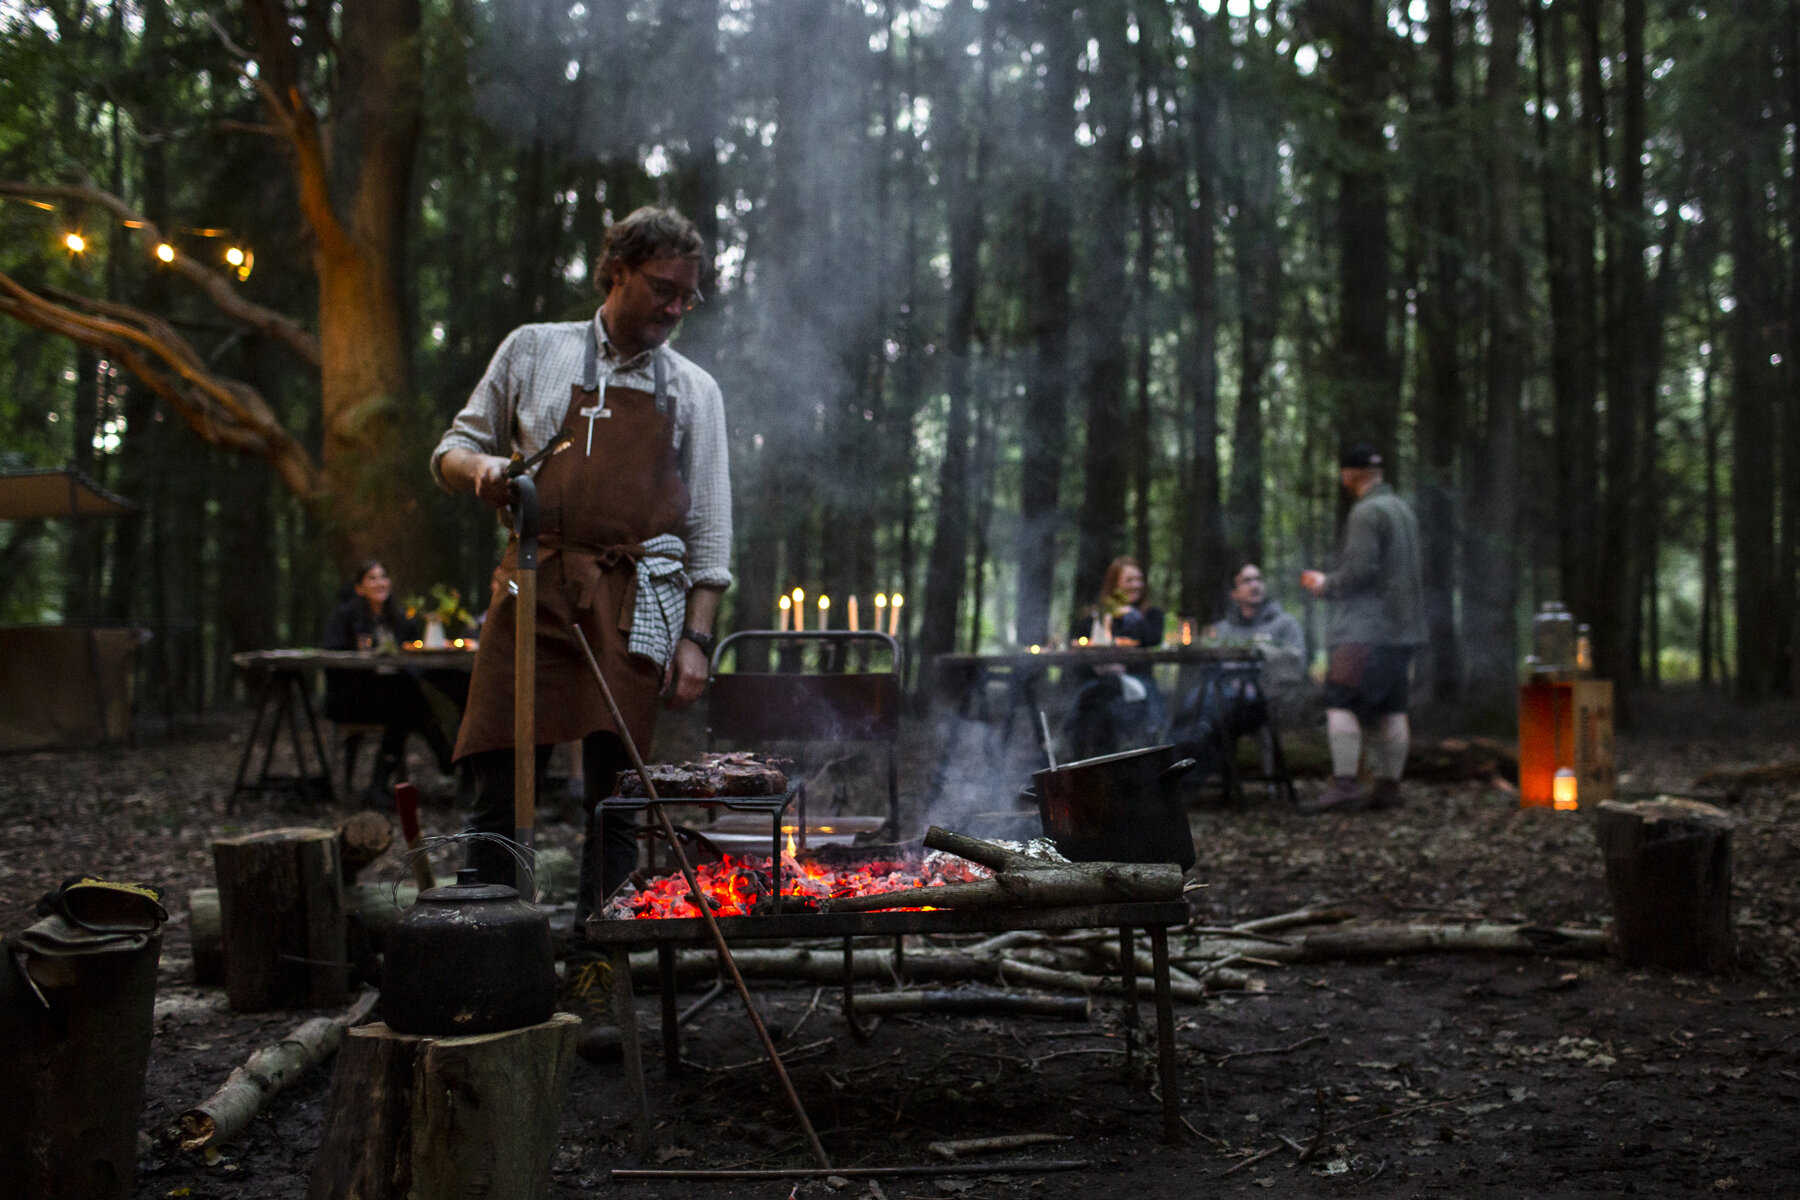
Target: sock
{"type": "Point", "coordinates": [1345, 736]}
{"type": "Point", "coordinates": [1388, 746]}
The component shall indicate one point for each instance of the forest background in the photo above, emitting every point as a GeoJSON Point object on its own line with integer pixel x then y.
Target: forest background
{"type": "Point", "coordinates": [1001, 288]}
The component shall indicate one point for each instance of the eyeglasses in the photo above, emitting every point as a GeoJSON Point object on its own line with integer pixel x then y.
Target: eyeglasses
{"type": "Point", "coordinates": [667, 293]}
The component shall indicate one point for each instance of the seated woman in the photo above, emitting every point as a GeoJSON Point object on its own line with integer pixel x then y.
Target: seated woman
{"type": "Point", "coordinates": [369, 619]}
{"type": "Point", "coordinates": [1117, 709]}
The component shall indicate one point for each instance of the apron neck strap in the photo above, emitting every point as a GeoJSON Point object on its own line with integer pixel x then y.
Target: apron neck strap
{"type": "Point", "coordinates": [659, 369]}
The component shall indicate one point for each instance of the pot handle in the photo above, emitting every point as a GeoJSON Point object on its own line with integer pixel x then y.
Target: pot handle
{"type": "Point", "coordinates": [1177, 770]}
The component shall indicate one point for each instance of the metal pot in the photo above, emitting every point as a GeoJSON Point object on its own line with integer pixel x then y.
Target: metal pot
{"type": "Point", "coordinates": [1118, 807]}
{"type": "Point", "coordinates": [470, 958]}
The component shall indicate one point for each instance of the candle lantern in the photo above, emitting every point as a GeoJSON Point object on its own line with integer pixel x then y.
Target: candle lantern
{"type": "Point", "coordinates": [1562, 790]}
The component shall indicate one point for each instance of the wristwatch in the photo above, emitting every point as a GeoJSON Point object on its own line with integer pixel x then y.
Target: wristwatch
{"type": "Point", "coordinates": [702, 640]}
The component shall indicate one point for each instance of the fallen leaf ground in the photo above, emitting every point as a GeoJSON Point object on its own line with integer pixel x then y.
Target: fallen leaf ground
{"type": "Point", "coordinates": [1456, 1075]}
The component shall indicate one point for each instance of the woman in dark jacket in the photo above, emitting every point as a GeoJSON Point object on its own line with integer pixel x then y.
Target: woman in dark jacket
{"type": "Point", "coordinates": [369, 619]}
{"type": "Point", "coordinates": [1118, 709]}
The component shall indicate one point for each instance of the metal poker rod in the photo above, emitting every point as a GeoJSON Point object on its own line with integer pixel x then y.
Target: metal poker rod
{"type": "Point", "coordinates": [701, 902]}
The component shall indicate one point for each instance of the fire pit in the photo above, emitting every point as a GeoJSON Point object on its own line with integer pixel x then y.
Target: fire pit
{"type": "Point", "coordinates": [658, 915]}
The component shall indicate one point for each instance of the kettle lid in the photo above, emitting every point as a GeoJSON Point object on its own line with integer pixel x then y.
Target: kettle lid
{"type": "Point", "coordinates": [468, 887]}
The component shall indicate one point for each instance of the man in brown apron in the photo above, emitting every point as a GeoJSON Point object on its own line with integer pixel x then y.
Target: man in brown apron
{"type": "Point", "coordinates": [635, 531]}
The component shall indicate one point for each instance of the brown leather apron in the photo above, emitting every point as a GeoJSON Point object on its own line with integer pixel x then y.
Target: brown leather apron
{"type": "Point", "coordinates": [598, 502]}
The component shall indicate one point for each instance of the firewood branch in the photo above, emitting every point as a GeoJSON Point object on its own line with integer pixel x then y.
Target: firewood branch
{"type": "Point", "coordinates": [212, 284]}
{"type": "Point", "coordinates": [224, 412]}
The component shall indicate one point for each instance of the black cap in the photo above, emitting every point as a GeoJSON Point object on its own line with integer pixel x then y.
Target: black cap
{"type": "Point", "coordinates": [1359, 454]}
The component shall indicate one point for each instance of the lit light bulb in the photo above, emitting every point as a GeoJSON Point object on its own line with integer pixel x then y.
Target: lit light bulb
{"type": "Point", "coordinates": [234, 256]}
{"type": "Point", "coordinates": [75, 242]}
{"type": "Point", "coordinates": [165, 252]}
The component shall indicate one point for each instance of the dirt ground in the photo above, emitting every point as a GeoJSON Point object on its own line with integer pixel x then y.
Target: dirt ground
{"type": "Point", "coordinates": [1447, 1074]}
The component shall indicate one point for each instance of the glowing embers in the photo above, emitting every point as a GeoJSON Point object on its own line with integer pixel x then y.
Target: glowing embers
{"type": "Point", "coordinates": [741, 886]}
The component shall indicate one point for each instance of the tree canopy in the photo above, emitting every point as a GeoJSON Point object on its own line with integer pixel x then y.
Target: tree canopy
{"type": "Point", "coordinates": [1000, 289]}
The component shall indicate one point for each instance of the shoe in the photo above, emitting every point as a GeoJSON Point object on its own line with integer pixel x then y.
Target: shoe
{"type": "Point", "coordinates": [1386, 794]}
{"type": "Point", "coordinates": [1343, 794]}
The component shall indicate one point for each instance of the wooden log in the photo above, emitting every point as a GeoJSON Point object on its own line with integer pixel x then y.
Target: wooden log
{"type": "Point", "coordinates": [974, 1000]}
{"type": "Point", "coordinates": [362, 838]}
{"type": "Point", "coordinates": [1386, 941]}
{"type": "Point", "coordinates": [1057, 885]}
{"type": "Point", "coordinates": [72, 1073]}
{"type": "Point", "coordinates": [1668, 874]}
{"type": "Point", "coordinates": [422, 1117]}
{"type": "Point", "coordinates": [219, 1118]}
{"type": "Point", "coordinates": [281, 911]}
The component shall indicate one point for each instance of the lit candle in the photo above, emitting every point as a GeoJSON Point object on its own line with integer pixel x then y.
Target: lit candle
{"type": "Point", "coordinates": [894, 614]}
{"type": "Point", "coordinates": [799, 609]}
{"type": "Point", "coordinates": [850, 613]}
{"type": "Point", "coordinates": [824, 611]}
{"type": "Point", "coordinates": [782, 620]}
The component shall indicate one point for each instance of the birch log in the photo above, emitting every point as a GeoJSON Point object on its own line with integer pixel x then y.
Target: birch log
{"type": "Point", "coordinates": [219, 1118]}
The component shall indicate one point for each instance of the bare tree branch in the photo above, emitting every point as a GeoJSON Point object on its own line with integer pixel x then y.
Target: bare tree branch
{"type": "Point", "coordinates": [216, 288]}
{"type": "Point", "coordinates": [223, 412]}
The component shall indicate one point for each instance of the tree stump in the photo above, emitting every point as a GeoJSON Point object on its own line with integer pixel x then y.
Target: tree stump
{"type": "Point", "coordinates": [1668, 873]}
{"type": "Point", "coordinates": [281, 917]}
{"type": "Point", "coordinates": [418, 1118]}
{"type": "Point", "coordinates": [72, 1074]}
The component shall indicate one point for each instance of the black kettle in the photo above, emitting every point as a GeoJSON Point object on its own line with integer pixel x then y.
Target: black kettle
{"type": "Point", "coordinates": [469, 958]}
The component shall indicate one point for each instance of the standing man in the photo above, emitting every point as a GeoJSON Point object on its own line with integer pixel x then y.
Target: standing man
{"type": "Point", "coordinates": [1376, 621]}
{"type": "Point", "coordinates": [635, 531]}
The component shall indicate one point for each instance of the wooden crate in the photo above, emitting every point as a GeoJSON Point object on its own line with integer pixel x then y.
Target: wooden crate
{"type": "Point", "coordinates": [1566, 724]}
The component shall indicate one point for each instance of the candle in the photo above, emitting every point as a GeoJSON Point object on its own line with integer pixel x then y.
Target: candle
{"type": "Point", "coordinates": [799, 611]}
{"type": "Point", "coordinates": [894, 614]}
{"type": "Point", "coordinates": [782, 622]}
{"type": "Point", "coordinates": [850, 613]}
{"type": "Point", "coordinates": [824, 611]}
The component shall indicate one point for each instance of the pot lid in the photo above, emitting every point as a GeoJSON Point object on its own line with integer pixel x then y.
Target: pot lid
{"type": "Point", "coordinates": [1103, 759]}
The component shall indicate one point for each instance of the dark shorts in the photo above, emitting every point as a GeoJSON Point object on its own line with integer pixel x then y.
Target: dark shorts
{"type": "Point", "coordinates": [1370, 681]}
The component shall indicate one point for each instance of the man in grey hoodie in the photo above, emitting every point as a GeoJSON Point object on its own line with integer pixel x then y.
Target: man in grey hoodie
{"type": "Point", "coordinates": [1254, 619]}
{"type": "Point", "coordinates": [1375, 622]}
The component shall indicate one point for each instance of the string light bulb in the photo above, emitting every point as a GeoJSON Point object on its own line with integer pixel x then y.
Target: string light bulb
{"type": "Point", "coordinates": [165, 252]}
{"type": "Point", "coordinates": [75, 242]}
{"type": "Point", "coordinates": [234, 256]}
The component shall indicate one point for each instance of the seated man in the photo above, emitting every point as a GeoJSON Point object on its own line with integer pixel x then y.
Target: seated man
{"type": "Point", "coordinates": [1233, 704]}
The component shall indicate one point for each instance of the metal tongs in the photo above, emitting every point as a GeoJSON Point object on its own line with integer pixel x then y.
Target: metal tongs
{"type": "Point", "coordinates": [519, 466]}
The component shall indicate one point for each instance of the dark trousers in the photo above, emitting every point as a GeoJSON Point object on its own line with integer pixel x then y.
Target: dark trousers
{"type": "Point", "coordinates": [609, 852]}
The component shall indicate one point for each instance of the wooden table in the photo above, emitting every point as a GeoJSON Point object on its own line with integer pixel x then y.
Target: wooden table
{"type": "Point", "coordinates": [282, 681]}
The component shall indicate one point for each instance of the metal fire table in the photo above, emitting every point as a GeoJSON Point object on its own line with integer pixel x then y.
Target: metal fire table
{"type": "Point", "coordinates": [620, 938]}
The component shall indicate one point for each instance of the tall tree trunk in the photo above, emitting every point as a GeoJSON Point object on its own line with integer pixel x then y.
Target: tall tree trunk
{"type": "Point", "coordinates": [1203, 550]}
{"type": "Point", "coordinates": [1440, 400]}
{"type": "Point", "coordinates": [1357, 79]}
{"type": "Point", "coordinates": [1492, 602]}
{"type": "Point", "coordinates": [1101, 523]}
{"type": "Point", "coordinates": [1049, 269]}
{"type": "Point", "coordinates": [1249, 115]}
{"type": "Point", "coordinates": [946, 568]}
{"type": "Point", "coordinates": [1752, 433]}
